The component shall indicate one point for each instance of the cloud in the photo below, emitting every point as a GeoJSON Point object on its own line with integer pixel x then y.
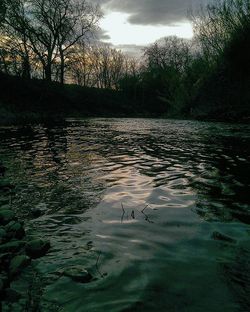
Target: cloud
{"type": "Point", "coordinates": [152, 12]}
{"type": "Point", "coordinates": [131, 50]}
{"type": "Point", "coordinates": [101, 34]}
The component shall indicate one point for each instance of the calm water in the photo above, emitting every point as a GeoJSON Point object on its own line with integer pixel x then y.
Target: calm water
{"type": "Point", "coordinates": [137, 203]}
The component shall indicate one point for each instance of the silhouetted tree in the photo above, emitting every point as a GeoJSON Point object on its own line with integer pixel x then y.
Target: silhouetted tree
{"type": "Point", "coordinates": [49, 28]}
{"type": "Point", "coordinates": [78, 21]}
{"type": "Point", "coordinates": [222, 29]}
{"type": "Point", "coordinates": [166, 63]}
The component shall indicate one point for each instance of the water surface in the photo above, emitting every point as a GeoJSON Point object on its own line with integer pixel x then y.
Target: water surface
{"type": "Point", "coordinates": [137, 202]}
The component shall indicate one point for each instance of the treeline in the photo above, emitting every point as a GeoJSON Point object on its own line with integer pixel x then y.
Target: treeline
{"type": "Point", "coordinates": [222, 32]}
{"type": "Point", "coordinates": [206, 77]}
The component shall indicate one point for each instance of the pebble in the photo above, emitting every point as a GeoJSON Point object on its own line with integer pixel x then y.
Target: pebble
{"type": "Point", "coordinates": [218, 236]}
{"type": "Point", "coordinates": [78, 274]}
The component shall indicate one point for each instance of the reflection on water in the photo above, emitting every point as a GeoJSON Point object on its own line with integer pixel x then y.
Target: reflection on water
{"type": "Point", "coordinates": [136, 202]}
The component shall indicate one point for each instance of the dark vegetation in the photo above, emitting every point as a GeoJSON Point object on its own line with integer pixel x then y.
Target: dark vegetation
{"type": "Point", "coordinates": [39, 100]}
{"type": "Point", "coordinates": [52, 65]}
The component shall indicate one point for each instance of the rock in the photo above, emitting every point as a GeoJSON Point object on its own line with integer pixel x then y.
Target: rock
{"type": "Point", "coordinates": [36, 213]}
{"type": "Point", "coordinates": [2, 170]}
{"type": "Point", "coordinates": [5, 260]}
{"type": "Point", "coordinates": [37, 248]}
{"type": "Point", "coordinates": [2, 234]}
{"type": "Point", "coordinates": [17, 264]}
{"type": "Point", "coordinates": [78, 274]}
{"type": "Point", "coordinates": [4, 205]}
{"type": "Point", "coordinates": [1, 286]}
{"type": "Point", "coordinates": [12, 295]}
{"type": "Point", "coordinates": [6, 186]}
{"type": "Point", "coordinates": [4, 281]}
{"type": "Point", "coordinates": [13, 246]}
{"type": "Point", "coordinates": [6, 216]}
{"type": "Point", "coordinates": [218, 236]}
{"type": "Point", "coordinates": [15, 230]}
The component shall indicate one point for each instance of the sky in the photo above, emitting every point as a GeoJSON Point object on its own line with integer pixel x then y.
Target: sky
{"type": "Point", "coordinates": [131, 24]}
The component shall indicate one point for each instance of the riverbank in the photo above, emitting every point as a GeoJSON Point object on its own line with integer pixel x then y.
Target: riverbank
{"type": "Point", "coordinates": [17, 250]}
{"type": "Point", "coordinates": [36, 101]}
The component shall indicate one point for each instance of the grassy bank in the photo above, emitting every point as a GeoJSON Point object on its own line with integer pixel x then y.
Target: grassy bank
{"type": "Point", "coordinates": [34, 100]}
{"type": "Point", "coordinates": [31, 101]}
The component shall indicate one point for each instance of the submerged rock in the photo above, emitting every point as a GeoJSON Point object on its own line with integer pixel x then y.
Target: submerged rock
{"type": "Point", "coordinates": [17, 264]}
{"type": "Point", "coordinates": [78, 274]}
{"type": "Point", "coordinates": [36, 213]}
{"type": "Point", "coordinates": [37, 248]}
{"type": "Point", "coordinates": [218, 236]}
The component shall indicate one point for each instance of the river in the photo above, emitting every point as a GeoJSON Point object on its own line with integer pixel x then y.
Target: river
{"type": "Point", "coordinates": [156, 210]}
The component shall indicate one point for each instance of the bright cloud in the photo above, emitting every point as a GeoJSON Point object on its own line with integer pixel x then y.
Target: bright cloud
{"type": "Point", "coordinates": [121, 32]}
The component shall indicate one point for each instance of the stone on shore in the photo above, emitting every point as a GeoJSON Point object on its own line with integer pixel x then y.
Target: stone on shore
{"type": "Point", "coordinates": [17, 264]}
{"type": "Point", "coordinates": [4, 281]}
{"type": "Point", "coordinates": [12, 295]}
{"type": "Point", "coordinates": [15, 230]}
{"type": "Point", "coordinates": [6, 216]}
{"type": "Point", "coordinates": [37, 248]}
{"type": "Point", "coordinates": [13, 246]}
{"type": "Point", "coordinates": [3, 234]}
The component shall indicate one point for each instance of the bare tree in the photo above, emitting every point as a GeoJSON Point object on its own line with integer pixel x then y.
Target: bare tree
{"type": "Point", "coordinates": [82, 65]}
{"type": "Point", "coordinates": [49, 28]}
{"type": "Point", "coordinates": [15, 30]}
{"type": "Point", "coordinates": [109, 66]}
{"type": "Point", "coordinates": [78, 21]}
{"type": "Point", "coordinates": [215, 24]}
{"type": "Point", "coordinates": [169, 52]}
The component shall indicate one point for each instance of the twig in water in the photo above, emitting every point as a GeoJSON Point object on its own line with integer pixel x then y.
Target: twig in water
{"type": "Point", "coordinates": [96, 265]}
{"type": "Point", "coordinates": [145, 208]}
{"type": "Point", "coordinates": [123, 212]}
{"type": "Point", "coordinates": [146, 216]}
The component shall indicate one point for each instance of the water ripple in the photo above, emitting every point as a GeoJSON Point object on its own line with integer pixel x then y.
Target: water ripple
{"type": "Point", "coordinates": [145, 195]}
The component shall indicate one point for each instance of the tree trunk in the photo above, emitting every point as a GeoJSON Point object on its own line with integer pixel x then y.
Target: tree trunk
{"type": "Point", "coordinates": [48, 72]}
{"type": "Point", "coordinates": [26, 67]}
{"type": "Point", "coordinates": [26, 72]}
{"type": "Point", "coordinates": [62, 67]}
